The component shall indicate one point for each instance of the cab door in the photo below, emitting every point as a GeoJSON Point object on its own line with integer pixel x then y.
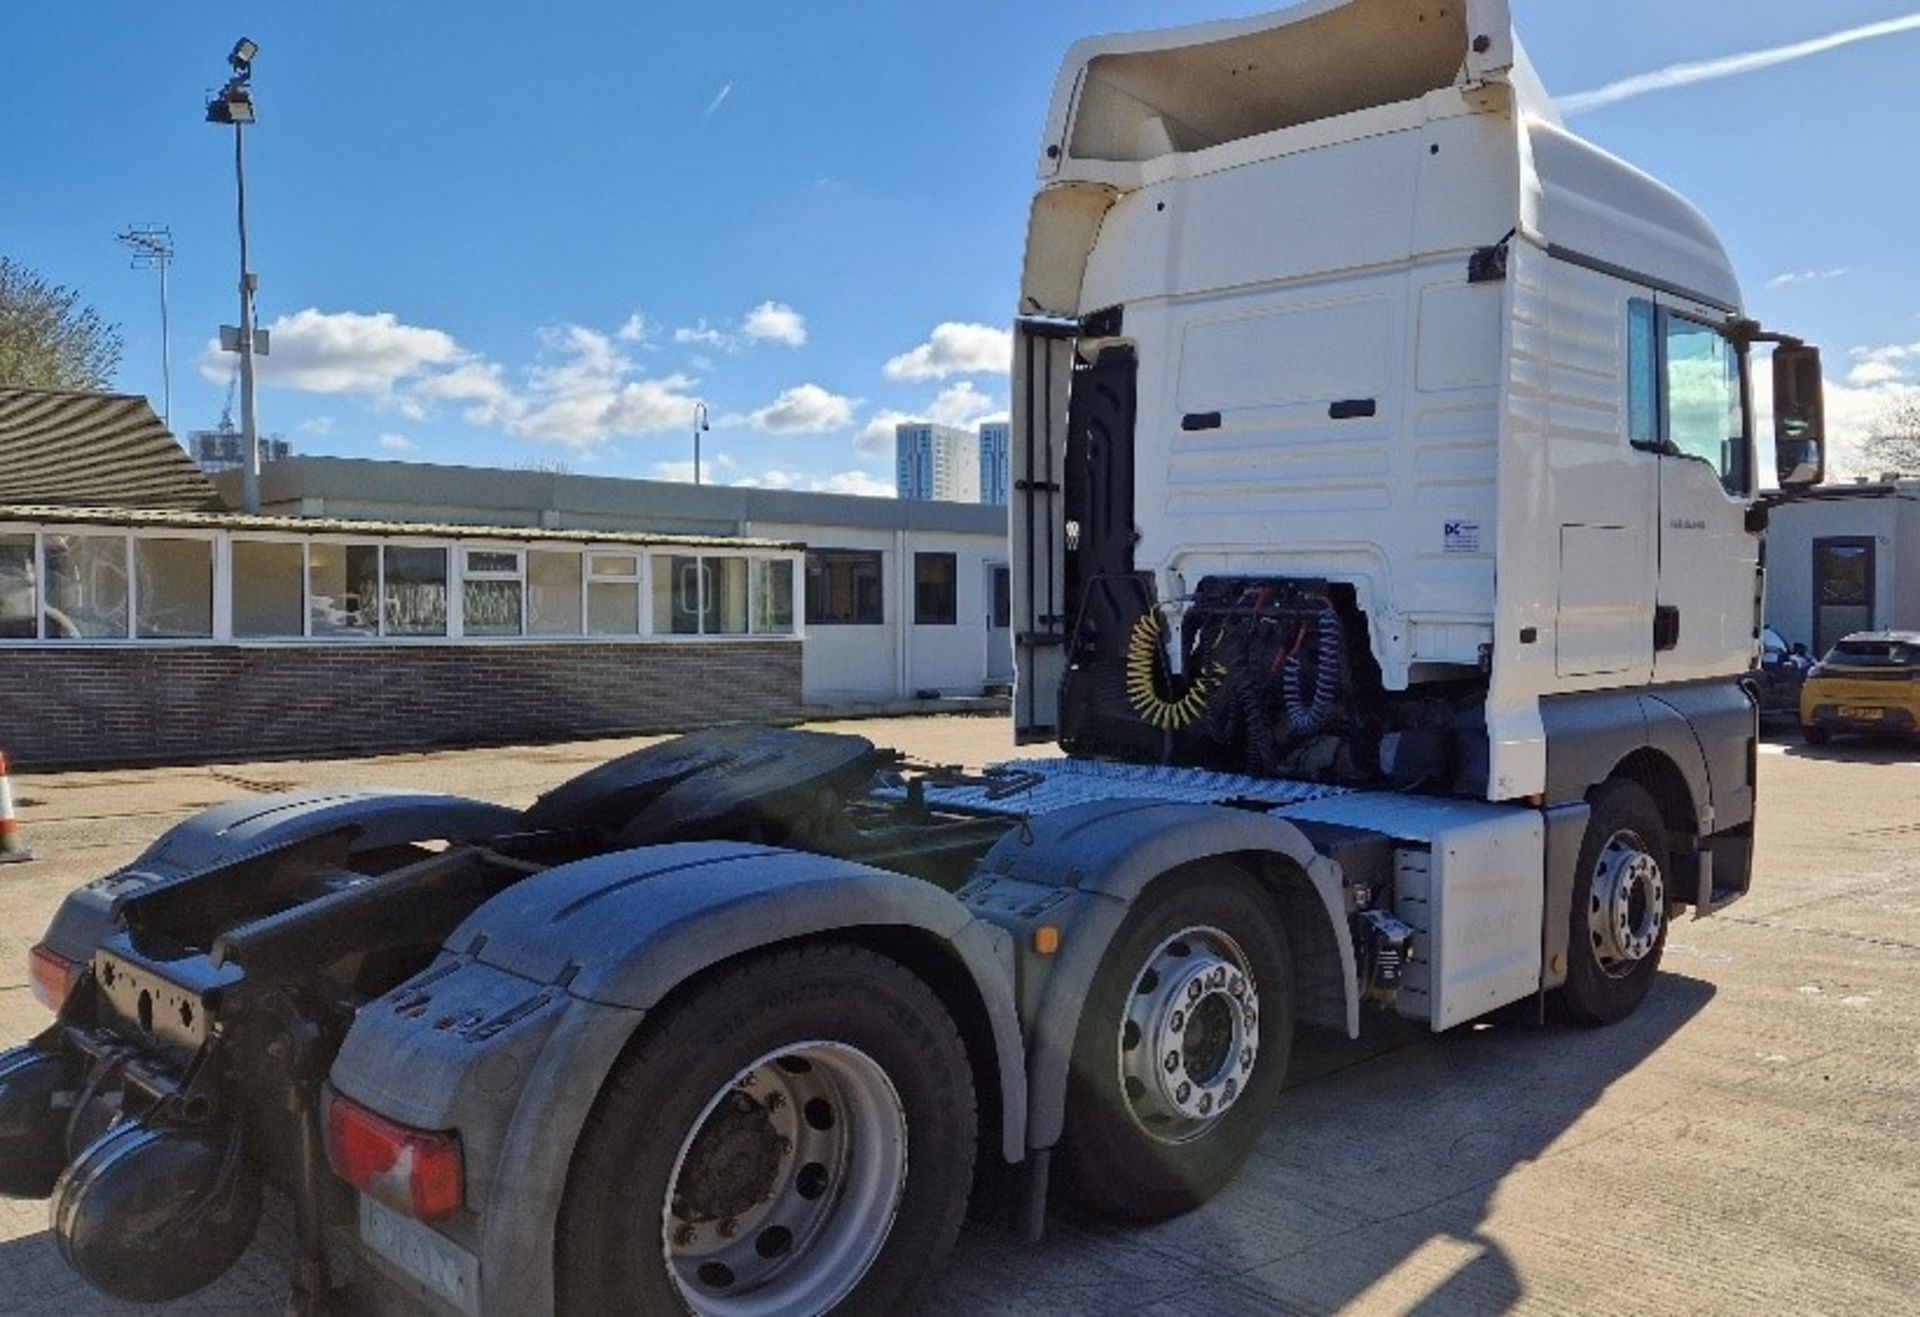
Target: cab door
{"type": "Point", "coordinates": [1705, 618]}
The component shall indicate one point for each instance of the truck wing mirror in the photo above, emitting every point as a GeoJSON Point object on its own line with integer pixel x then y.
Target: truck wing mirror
{"type": "Point", "coordinates": [1799, 416]}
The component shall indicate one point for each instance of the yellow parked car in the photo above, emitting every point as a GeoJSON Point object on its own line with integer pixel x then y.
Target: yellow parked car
{"type": "Point", "coordinates": [1869, 682]}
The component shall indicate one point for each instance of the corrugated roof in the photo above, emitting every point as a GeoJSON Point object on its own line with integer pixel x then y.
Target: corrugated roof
{"type": "Point", "coordinates": [161, 519]}
{"type": "Point", "coordinates": [93, 450]}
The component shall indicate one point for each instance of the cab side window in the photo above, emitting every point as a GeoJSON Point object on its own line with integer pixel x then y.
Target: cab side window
{"type": "Point", "coordinates": [1684, 394]}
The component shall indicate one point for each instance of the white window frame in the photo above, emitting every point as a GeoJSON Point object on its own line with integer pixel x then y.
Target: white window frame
{"type": "Point", "coordinates": [222, 541]}
{"type": "Point", "coordinates": [519, 575]}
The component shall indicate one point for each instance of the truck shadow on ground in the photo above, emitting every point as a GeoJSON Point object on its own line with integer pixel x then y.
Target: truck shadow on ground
{"type": "Point", "coordinates": [1383, 1161]}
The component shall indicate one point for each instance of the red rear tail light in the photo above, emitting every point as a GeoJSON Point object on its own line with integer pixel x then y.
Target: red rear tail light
{"type": "Point", "coordinates": [52, 976]}
{"type": "Point", "coordinates": [411, 1171]}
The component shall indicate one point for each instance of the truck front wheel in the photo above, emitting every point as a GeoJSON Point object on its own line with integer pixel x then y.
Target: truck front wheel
{"type": "Point", "coordinates": [1181, 1049]}
{"type": "Point", "coordinates": [1619, 906]}
{"type": "Point", "coordinates": [794, 1135]}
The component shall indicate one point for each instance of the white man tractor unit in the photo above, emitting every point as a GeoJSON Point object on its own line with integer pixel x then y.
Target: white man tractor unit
{"type": "Point", "coordinates": [1386, 550]}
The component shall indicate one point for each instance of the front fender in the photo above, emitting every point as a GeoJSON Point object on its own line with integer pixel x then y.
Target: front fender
{"type": "Point", "coordinates": [510, 1035]}
{"type": "Point", "coordinates": [1108, 852]}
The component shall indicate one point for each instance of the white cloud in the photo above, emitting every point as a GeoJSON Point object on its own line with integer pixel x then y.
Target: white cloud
{"type": "Point", "coordinates": [634, 329]}
{"type": "Point", "coordinates": [318, 351]}
{"type": "Point", "coordinates": [719, 99]}
{"type": "Point", "coordinates": [398, 443]}
{"type": "Point", "coordinates": [480, 384]}
{"type": "Point", "coordinates": [844, 482]}
{"type": "Point", "coordinates": [1805, 277]}
{"type": "Point", "coordinates": [955, 348]}
{"type": "Point", "coordinates": [1726, 66]}
{"type": "Point", "coordinates": [854, 482]}
{"type": "Point", "coordinates": [773, 480]}
{"type": "Point", "coordinates": [710, 464]}
{"type": "Point", "coordinates": [804, 409]}
{"type": "Point", "coordinates": [585, 391]}
{"type": "Point", "coordinates": [1870, 374]}
{"type": "Point", "coordinates": [961, 405]}
{"type": "Point", "coordinates": [321, 425]}
{"type": "Point", "coordinates": [705, 335]}
{"type": "Point", "coordinates": [775, 322]}
{"type": "Point", "coordinates": [876, 436]}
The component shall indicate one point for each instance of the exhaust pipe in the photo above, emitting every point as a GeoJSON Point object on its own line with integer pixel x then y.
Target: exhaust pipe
{"type": "Point", "coordinates": [147, 1214]}
{"type": "Point", "coordinates": [36, 1098]}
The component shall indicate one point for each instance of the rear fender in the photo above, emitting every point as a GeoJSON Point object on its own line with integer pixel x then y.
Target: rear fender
{"type": "Point", "coordinates": [258, 825]}
{"type": "Point", "coordinates": [511, 1034]}
{"type": "Point", "coordinates": [1103, 856]}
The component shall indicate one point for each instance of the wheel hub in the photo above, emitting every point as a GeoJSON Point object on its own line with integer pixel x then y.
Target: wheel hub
{"type": "Point", "coordinates": [732, 1163]}
{"type": "Point", "coordinates": [1191, 1037]}
{"type": "Point", "coordinates": [787, 1185]}
{"type": "Point", "coordinates": [1626, 904]}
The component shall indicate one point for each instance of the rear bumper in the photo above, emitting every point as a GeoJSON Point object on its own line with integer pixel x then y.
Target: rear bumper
{"type": "Point", "coordinates": [1859, 716]}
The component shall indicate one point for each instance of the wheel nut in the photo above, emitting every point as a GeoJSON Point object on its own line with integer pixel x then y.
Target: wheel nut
{"type": "Point", "coordinates": [1246, 1058]}
{"type": "Point", "coordinates": [1182, 1093]}
{"type": "Point", "coordinates": [1218, 977]}
{"type": "Point", "coordinates": [685, 1236]}
{"type": "Point", "coordinates": [1236, 985]}
{"type": "Point", "coordinates": [729, 1228]}
{"type": "Point", "coordinates": [1206, 1103]}
{"type": "Point", "coordinates": [783, 1146]}
{"type": "Point", "coordinates": [1193, 990]}
{"type": "Point", "coordinates": [1173, 1062]}
{"type": "Point", "coordinates": [1232, 1091]}
{"type": "Point", "coordinates": [1178, 1022]}
{"type": "Point", "coordinates": [776, 1101]}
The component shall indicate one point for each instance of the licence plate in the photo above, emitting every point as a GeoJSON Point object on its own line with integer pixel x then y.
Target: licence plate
{"type": "Point", "coordinates": [427, 1256]}
{"type": "Point", "coordinates": [1863, 713]}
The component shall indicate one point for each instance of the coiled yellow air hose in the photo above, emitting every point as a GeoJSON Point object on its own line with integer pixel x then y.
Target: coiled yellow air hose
{"type": "Point", "coordinates": [1146, 675]}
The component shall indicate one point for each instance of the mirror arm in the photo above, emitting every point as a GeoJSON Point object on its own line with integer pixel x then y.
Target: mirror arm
{"type": "Point", "coordinates": [1748, 332]}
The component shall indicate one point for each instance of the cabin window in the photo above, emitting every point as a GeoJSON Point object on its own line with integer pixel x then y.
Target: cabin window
{"type": "Point", "coordinates": [19, 606]}
{"type": "Point", "coordinates": [935, 582]}
{"type": "Point", "coordinates": [1704, 417]}
{"type": "Point", "coordinates": [175, 589]}
{"type": "Point", "coordinates": [1685, 394]}
{"type": "Point", "coordinates": [843, 588]}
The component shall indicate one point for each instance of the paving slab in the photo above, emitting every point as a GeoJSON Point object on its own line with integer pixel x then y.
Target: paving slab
{"type": "Point", "coordinates": [1748, 1142]}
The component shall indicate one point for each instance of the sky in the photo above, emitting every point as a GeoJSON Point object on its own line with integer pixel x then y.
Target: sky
{"type": "Point", "coordinates": [539, 235]}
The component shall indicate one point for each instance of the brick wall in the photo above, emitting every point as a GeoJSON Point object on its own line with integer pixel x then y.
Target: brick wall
{"type": "Point", "coordinates": [75, 706]}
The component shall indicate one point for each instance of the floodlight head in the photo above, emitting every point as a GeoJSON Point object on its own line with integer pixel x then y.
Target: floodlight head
{"type": "Point", "coordinates": [241, 57]}
{"type": "Point", "coordinates": [232, 104]}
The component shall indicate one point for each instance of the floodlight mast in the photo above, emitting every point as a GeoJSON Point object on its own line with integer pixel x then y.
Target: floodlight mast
{"type": "Point", "coordinates": [700, 427]}
{"type": "Point", "coordinates": [234, 104]}
{"type": "Point", "coordinates": [152, 247]}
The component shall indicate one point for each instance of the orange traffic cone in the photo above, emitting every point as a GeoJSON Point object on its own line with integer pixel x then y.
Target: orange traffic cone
{"type": "Point", "coordinates": [12, 848]}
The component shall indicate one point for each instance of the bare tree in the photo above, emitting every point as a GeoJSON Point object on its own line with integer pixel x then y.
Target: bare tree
{"type": "Point", "coordinates": [1893, 444]}
{"type": "Point", "coordinates": [48, 338]}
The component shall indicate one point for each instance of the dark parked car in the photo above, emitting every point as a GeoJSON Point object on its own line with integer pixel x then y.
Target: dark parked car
{"type": "Point", "coordinates": [1776, 680]}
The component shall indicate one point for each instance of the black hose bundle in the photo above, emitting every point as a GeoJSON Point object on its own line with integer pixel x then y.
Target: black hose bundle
{"type": "Point", "coordinates": [1305, 717]}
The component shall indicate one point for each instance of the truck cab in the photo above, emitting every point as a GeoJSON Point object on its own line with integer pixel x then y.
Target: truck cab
{"type": "Point", "coordinates": [1329, 303]}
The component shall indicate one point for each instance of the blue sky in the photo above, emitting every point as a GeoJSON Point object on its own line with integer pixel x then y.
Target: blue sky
{"type": "Point", "coordinates": [506, 234]}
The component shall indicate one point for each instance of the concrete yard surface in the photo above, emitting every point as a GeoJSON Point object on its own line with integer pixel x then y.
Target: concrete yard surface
{"type": "Point", "coordinates": [1748, 1142]}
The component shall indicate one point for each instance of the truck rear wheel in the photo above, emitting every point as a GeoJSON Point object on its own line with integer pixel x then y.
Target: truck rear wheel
{"type": "Point", "coordinates": [1619, 912]}
{"type": "Point", "coordinates": [1181, 1050]}
{"type": "Point", "coordinates": [795, 1135]}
